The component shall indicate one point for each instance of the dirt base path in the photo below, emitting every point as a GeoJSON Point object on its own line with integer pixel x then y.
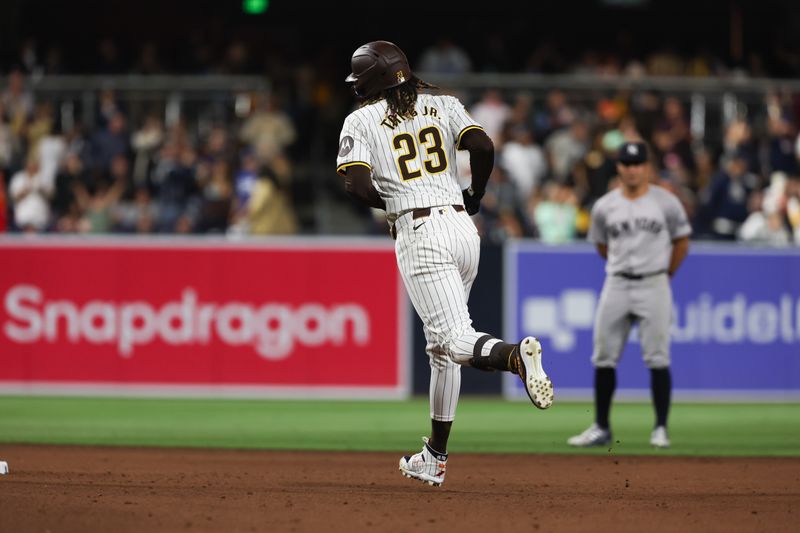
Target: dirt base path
{"type": "Point", "coordinates": [81, 489]}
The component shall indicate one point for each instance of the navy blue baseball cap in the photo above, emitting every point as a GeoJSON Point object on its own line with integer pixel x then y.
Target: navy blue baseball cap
{"type": "Point", "coordinates": [632, 153]}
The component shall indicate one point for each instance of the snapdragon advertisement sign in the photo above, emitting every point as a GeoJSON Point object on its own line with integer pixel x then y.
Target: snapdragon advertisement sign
{"type": "Point", "coordinates": [735, 326]}
{"type": "Point", "coordinates": [289, 318]}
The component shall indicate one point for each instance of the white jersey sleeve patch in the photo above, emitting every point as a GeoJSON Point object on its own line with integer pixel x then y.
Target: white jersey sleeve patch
{"type": "Point", "coordinates": [353, 146]}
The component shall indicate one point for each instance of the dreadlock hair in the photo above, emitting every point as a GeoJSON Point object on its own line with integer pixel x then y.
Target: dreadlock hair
{"type": "Point", "coordinates": [401, 99]}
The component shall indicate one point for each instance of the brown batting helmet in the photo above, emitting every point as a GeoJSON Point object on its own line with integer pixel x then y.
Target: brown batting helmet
{"type": "Point", "coordinates": [377, 66]}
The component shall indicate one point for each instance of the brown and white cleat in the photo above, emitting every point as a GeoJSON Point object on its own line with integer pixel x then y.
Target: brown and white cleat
{"type": "Point", "coordinates": [428, 466]}
{"type": "Point", "coordinates": [530, 371]}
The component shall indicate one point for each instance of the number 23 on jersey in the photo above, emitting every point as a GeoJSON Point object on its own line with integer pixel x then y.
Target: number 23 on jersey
{"type": "Point", "coordinates": [407, 147]}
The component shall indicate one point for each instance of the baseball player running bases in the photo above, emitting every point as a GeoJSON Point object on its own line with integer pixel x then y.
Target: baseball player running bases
{"type": "Point", "coordinates": [643, 233]}
{"type": "Point", "coordinates": [397, 152]}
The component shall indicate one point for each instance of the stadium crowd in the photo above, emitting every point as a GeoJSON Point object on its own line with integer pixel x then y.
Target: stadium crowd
{"type": "Point", "coordinates": [554, 154]}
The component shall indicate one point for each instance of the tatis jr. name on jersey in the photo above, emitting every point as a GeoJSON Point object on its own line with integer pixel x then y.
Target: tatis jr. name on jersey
{"type": "Point", "coordinates": [392, 121]}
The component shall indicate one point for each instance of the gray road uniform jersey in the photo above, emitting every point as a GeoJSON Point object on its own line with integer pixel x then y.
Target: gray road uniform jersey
{"type": "Point", "coordinates": [639, 234]}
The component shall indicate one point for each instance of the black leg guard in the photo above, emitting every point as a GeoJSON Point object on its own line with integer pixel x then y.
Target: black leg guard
{"type": "Point", "coordinates": [498, 359]}
{"type": "Point", "coordinates": [440, 433]}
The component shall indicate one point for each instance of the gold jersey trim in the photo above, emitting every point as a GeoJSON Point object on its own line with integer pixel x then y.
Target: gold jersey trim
{"type": "Point", "coordinates": [341, 168]}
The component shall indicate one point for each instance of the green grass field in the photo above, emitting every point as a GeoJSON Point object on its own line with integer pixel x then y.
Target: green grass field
{"type": "Point", "coordinates": [482, 425]}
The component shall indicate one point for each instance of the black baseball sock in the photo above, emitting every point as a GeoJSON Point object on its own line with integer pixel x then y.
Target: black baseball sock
{"type": "Point", "coordinates": [499, 357]}
{"type": "Point", "coordinates": [440, 432]}
{"type": "Point", "coordinates": [605, 382]}
{"type": "Point", "coordinates": [661, 388]}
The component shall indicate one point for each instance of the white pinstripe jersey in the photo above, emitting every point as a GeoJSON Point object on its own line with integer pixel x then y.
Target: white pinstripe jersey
{"type": "Point", "coordinates": [413, 161]}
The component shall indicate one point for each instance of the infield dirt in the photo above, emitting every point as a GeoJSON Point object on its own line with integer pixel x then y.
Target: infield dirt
{"type": "Point", "coordinates": [88, 489]}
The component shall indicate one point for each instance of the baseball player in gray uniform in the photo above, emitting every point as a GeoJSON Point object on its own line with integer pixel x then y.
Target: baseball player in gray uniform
{"type": "Point", "coordinates": [643, 233]}
{"type": "Point", "coordinates": [397, 152]}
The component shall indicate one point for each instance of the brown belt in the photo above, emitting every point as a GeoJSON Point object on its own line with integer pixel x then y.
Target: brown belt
{"type": "Point", "coordinates": [426, 211]}
{"type": "Point", "coordinates": [420, 213]}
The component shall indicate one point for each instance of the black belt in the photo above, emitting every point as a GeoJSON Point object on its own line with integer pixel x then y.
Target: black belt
{"type": "Point", "coordinates": [631, 275]}
{"type": "Point", "coordinates": [420, 213]}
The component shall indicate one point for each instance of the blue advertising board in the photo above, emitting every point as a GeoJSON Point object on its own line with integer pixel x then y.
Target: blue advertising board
{"type": "Point", "coordinates": [735, 328]}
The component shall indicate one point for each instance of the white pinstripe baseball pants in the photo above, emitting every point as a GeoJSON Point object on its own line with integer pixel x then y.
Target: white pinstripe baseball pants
{"type": "Point", "coordinates": [438, 259]}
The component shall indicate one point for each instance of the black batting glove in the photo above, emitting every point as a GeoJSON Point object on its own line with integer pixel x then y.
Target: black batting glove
{"type": "Point", "coordinates": [472, 200]}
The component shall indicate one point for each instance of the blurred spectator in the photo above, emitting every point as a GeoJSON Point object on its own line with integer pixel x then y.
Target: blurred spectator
{"type": "Point", "coordinates": [566, 147]}
{"type": "Point", "coordinates": [108, 58]}
{"type": "Point", "coordinates": [765, 223]}
{"type": "Point", "coordinates": [665, 62]}
{"type": "Point", "coordinates": [501, 216]}
{"type": "Point", "coordinates": [243, 182]}
{"type": "Point", "coordinates": [496, 57]}
{"type": "Point", "coordinates": [556, 214]}
{"type": "Point", "coordinates": [269, 210]}
{"type": "Point", "coordinates": [782, 134]}
{"type": "Point", "coordinates": [110, 142]}
{"type": "Point", "coordinates": [108, 105]}
{"type": "Point", "coordinates": [51, 147]}
{"type": "Point", "coordinates": [524, 161]}
{"type": "Point", "coordinates": [40, 125]}
{"type": "Point", "coordinates": [146, 143]}
{"type": "Point", "coordinates": [672, 134]}
{"type": "Point", "coordinates": [98, 203]}
{"type": "Point", "coordinates": [29, 58]}
{"type": "Point", "coordinates": [177, 189]}
{"type": "Point", "coordinates": [217, 196]}
{"type": "Point", "coordinates": [507, 226]}
{"type": "Point", "coordinates": [138, 215]}
{"type": "Point", "coordinates": [634, 69]}
{"type": "Point", "coordinates": [76, 141]}
{"type": "Point", "coordinates": [598, 167]}
{"type": "Point", "coordinates": [17, 102]}
{"type": "Point", "coordinates": [646, 107]}
{"type": "Point", "coordinates": [557, 114]}
{"type": "Point", "coordinates": [9, 145]}
{"type": "Point", "coordinates": [588, 63]}
{"type": "Point", "coordinates": [698, 65]}
{"type": "Point", "coordinates": [522, 111]}
{"type": "Point", "coordinates": [237, 59]}
{"type": "Point", "coordinates": [119, 171]}
{"type": "Point", "coordinates": [71, 175]}
{"type": "Point", "coordinates": [705, 168]}
{"type": "Point", "coordinates": [444, 57]}
{"type": "Point", "coordinates": [149, 61]}
{"type": "Point", "coordinates": [611, 110]}
{"type": "Point", "coordinates": [545, 59]}
{"type": "Point", "coordinates": [269, 130]}
{"type": "Point", "coordinates": [739, 138]}
{"type": "Point", "coordinates": [217, 145]}
{"type": "Point", "coordinates": [491, 112]}
{"type": "Point", "coordinates": [677, 179]}
{"type": "Point", "coordinates": [30, 195]}
{"type": "Point", "coordinates": [53, 61]}
{"type": "Point", "coordinates": [792, 207]}
{"type": "Point", "coordinates": [725, 205]}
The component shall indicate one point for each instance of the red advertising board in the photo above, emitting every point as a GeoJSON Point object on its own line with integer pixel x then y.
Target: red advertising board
{"type": "Point", "coordinates": [292, 318]}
